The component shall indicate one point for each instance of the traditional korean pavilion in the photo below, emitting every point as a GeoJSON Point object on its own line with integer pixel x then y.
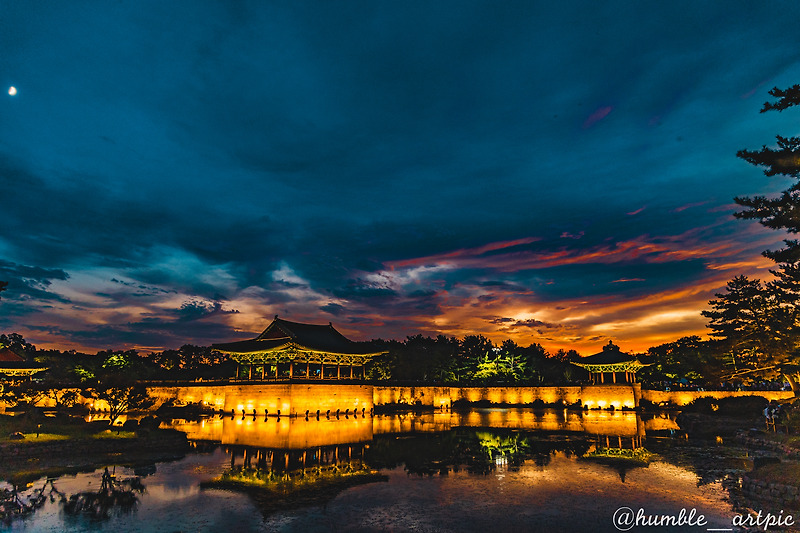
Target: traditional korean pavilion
{"type": "Point", "coordinates": [13, 365]}
{"type": "Point", "coordinates": [295, 350]}
{"type": "Point", "coordinates": [611, 366]}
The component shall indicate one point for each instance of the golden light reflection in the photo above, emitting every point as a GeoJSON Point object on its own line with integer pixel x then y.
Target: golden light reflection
{"type": "Point", "coordinates": [287, 433]}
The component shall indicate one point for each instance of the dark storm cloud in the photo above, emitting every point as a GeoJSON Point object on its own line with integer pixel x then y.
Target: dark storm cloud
{"type": "Point", "coordinates": [195, 310]}
{"type": "Point", "coordinates": [389, 159]}
{"type": "Point", "coordinates": [30, 282]}
{"type": "Point", "coordinates": [193, 320]}
{"type": "Point", "coordinates": [334, 309]}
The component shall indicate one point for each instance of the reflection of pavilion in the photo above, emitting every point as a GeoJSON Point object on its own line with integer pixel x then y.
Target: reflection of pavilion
{"type": "Point", "coordinates": [620, 451]}
{"type": "Point", "coordinates": [278, 479]}
{"type": "Point", "coordinates": [611, 366]}
{"type": "Point", "coordinates": [621, 454]}
{"type": "Point", "coordinates": [311, 461]}
{"type": "Point", "coordinates": [294, 350]}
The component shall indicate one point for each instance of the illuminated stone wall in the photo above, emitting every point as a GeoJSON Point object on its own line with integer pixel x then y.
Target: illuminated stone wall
{"type": "Point", "coordinates": [292, 399]}
{"type": "Point", "coordinates": [593, 396]}
{"type": "Point", "coordinates": [517, 395]}
{"type": "Point", "coordinates": [684, 397]}
{"type": "Point", "coordinates": [605, 396]}
{"type": "Point", "coordinates": [439, 397]}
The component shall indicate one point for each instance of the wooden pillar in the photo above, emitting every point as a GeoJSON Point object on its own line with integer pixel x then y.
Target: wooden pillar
{"type": "Point", "coordinates": [263, 371]}
{"type": "Point", "coordinates": [338, 371]}
{"type": "Point", "coordinates": [291, 370]}
{"type": "Point", "coordinates": [249, 371]}
{"type": "Point", "coordinates": [276, 370]}
{"type": "Point", "coordinates": [308, 369]}
{"type": "Point", "coordinates": [613, 377]}
{"type": "Point", "coordinates": [351, 371]}
{"type": "Point", "coordinates": [601, 377]}
{"type": "Point", "coordinates": [322, 370]}
{"type": "Point", "coordinates": [238, 369]}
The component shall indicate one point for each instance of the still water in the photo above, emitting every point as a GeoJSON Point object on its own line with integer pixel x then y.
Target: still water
{"type": "Point", "coordinates": [477, 470]}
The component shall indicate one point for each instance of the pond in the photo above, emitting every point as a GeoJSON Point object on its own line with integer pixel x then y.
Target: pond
{"type": "Point", "coordinates": [476, 470]}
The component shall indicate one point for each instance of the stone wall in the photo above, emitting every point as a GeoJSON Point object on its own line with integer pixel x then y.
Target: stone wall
{"type": "Point", "coordinates": [776, 496]}
{"type": "Point", "coordinates": [290, 399]}
{"type": "Point", "coordinates": [616, 396]}
{"type": "Point", "coordinates": [685, 397]}
{"type": "Point", "coordinates": [603, 396]}
{"type": "Point", "coordinates": [439, 397]}
{"type": "Point", "coordinates": [294, 399]}
{"type": "Point", "coordinates": [517, 395]}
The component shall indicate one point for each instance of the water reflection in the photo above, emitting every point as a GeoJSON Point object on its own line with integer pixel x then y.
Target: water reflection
{"type": "Point", "coordinates": [287, 478]}
{"type": "Point", "coordinates": [305, 433]}
{"type": "Point", "coordinates": [289, 433]}
{"type": "Point", "coordinates": [276, 451]}
{"type": "Point", "coordinates": [503, 469]}
{"type": "Point", "coordinates": [116, 496]}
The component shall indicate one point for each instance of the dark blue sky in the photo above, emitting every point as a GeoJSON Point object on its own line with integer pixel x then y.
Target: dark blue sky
{"type": "Point", "coordinates": [562, 172]}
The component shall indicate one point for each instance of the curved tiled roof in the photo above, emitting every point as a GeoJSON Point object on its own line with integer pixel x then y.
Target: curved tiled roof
{"type": "Point", "coordinates": [611, 359]}
{"type": "Point", "coordinates": [7, 355]}
{"type": "Point", "coordinates": [610, 355]}
{"type": "Point", "coordinates": [322, 338]}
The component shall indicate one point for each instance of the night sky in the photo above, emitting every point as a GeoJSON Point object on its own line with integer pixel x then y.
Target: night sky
{"type": "Point", "coordinates": [552, 172]}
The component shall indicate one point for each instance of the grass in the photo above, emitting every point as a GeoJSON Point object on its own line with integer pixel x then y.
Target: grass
{"type": "Point", "coordinates": [41, 437]}
{"type": "Point", "coordinates": [114, 435]}
{"type": "Point", "coordinates": [785, 473]}
{"type": "Point", "coordinates": [55, 429]}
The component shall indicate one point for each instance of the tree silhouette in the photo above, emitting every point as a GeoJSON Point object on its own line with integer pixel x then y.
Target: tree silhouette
{"type": "Point", "coordinates": [121, 396]}
{"type": "Point", "coordinates": [775, 324]}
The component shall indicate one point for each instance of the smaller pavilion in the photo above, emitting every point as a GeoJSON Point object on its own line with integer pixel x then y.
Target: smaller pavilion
{"type": "Point", "coordinates": [295, 350]}
{"type": "Point", "coordinates": [14, 366]}
{"type": "Point", "coordinates": [611, 366]}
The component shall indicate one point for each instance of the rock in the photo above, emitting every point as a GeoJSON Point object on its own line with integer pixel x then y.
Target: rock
{"type": "Point", "coordinates": [758, 462]}
{"type": "Point", "coordinates": [149, 422]}
{"type": "Point", "coordinates": [16, 436]}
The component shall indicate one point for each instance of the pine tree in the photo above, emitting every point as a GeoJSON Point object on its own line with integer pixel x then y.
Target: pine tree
{"type": "Point", "coordinates": [781, 334]}
{"type": "Point", "coordinates": [746, 318]}
{"type": "Point", "coordinates": [783, 211]}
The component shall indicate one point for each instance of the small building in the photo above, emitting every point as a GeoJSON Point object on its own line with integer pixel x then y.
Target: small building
{"type": "Point", "coordinates": [611, 366]}
{"type": "Point", "coordinates": [289, 350]}
{"type": "Point", "coordinates": [14, 366]}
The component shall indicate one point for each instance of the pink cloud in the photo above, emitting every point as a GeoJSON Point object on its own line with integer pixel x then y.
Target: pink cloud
{"type": "Point", "coordinates": [597, 116]}
{"type": "Point", "coordinates": [688, 206]}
